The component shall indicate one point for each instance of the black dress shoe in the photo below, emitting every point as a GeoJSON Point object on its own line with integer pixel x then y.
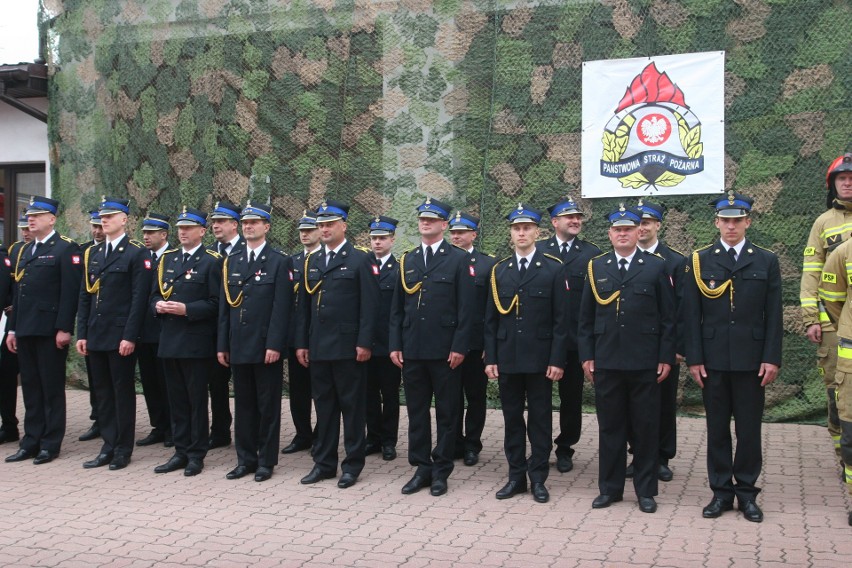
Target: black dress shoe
{"type": "Point", "coordinates": [388, 453]}
{"type": "Point", "coordinates": [647, 505]}
{"type": "Point", "coordinates": [91, 434]}
{"type": "Point", "coordinates": [20, 455]}
{"type": "Point", "coordinates": [416, 483]}
{"type": "Point", "coordinates": [175, 463]}
{"type": "Point", "coordinates": [294, 447]}
{"type": "Point", "coordinates": [44, 456]}
{"type": "Point", "coordinates": [316, 475]}
{"type": "Point", "coordinates": [564, 464]}
{"type": "Point", "coordinates": [240, 471]}
{"type": "Point", "coordinates": [439, 487]}
{"type": "Point", "coordinates": [603, 501]}
{"type": "Point", "coordinates": [119, 462]}
{"type": "Point", "coordinates": [751, 511]}
{"type": "Point", "coordinates": [716, 508]}
{"type": "Point", "coordinates": [630, 471]}
{"type": "Point", "coordinates": [216, 442]}
{"type": "Point", "coordinates": [372, 448]}
{"type": "Point", "coordinates": [347, 480]}
{"type": "Point", "coordinates": [9, 435]}
{"type": "Point", "coordinates": [664, 473]}
{"type": "Point", "coordinates": [263, 473]}
{"type": "Point", "coordinates": [540, 493]}
{"type": "Point", "coordinates": [193, 467]}
{"type": "Point", "coordinates": [512, 488]}
{"type": "Point", "coordinates": [100, 461]}
{"type": "Point", "coordinates": [470, 457]}
{"type": "Point", "coordinates": [155, 437]}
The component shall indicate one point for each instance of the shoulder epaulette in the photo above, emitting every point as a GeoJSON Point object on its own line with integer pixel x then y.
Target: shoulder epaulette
{"type": "Point", "coordinates": [67, 239]}
{"type": "Point", "coordinates": [136, 243]}
{"type": "Point", "coordinates": [550, 256]}
{"type": "Point", "coordinates": [503, 260]}
{"type": "Point", "coordinates": [704, 247]}
{"type": "Point", "coordinates": [281, 252]}
{"type": "Point", "coordinates": [169, 251]}
{"type": "Point", "coordinates": [486, 254]}
{"type": "Point", "coordinates": [213, 253]}
{"type": "Point", "coordinates": [458, 247]}
{"type": "Point", "coordinates": [362, 249]}
{"type": "Point", "coordinates": [543, 239]}
{"type": "Point", "coordinates": [594, 244]}
{"type": "Point", "coordinates": [763, 248]}
{"type": "Point", "coordinates": [600, 255]}
{"type": "Point", "coordinates": [675, 250]}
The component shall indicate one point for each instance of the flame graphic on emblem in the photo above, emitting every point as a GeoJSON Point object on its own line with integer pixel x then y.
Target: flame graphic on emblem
{"type": "Point", "coordinates": [651, 86]}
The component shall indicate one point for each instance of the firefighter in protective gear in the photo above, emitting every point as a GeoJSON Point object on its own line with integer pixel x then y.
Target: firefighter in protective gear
{"type": "Point", "coordinates": [829, 230]}
{"type": "Point", "coordinates": [834, 290]}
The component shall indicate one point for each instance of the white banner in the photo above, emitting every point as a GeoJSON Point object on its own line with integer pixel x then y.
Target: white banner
{"type": "Point", "coordinates": [654, 126]}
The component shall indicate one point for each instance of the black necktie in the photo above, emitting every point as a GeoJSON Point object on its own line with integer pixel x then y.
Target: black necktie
{"type": "Point", "coordinates": [185, 257]}
{"type": "Point", "coordinates": [565, 250]}
{"type": "Point", "coordinates": [35, 249]}
{"type": "Point", "coordinates": [622, 268]}
{"type": "Point", "coordinates": [154, 257]}
{"type": "Point", "coordinates": [252, 257]}
{"type": "Point", "coordinates": [329, 258]}
{"type": "Point", "coordinates": [223, 248]}
{"type": "Point", "coordinates": [109, 249]}
{"type": "Point", "coordinates": [429, 255]}
{"type": "Point", "coordinates": [733, 254]}
{"type": "Point", "coordinates": [522, 267]}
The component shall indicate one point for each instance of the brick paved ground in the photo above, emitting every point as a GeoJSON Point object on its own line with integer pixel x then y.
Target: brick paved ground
{"type": "Point", "coordinates": [61, 515]}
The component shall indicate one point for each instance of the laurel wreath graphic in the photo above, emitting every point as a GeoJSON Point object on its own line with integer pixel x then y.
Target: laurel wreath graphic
{"type": "Point", "coordinates": [615, 144]}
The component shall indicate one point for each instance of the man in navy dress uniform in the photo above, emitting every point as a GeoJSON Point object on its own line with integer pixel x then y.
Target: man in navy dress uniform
{"type": "Point", "coordinates": [464, 228]}
{"type": "Point", "coordinates": [383, 377]}
{"type": "Point", "coordinates": [152, 375]}
{"type": "Point", "coordinates": [734, 327]}
{"type": "Point", "coordinates": [254, 314]}
{"type": "Point", "coordinates": [113, 298]}
{"type": "Point", "coordinates": [335, 326]}
{"type": "Point", "coordinates": [430, 328]}
{"type": "Point", "coordinates": [94, 430]}
{"type": "Point", "coordinates": [299, 376]}
{"type": "Point", "coordinates": [575, 253]}
{"type": "Point", "coordinates": [186, 302]}
{"type": "Point", "coordinates": [627, 346]}
{"type": "Point", "coordinates": [224, 224]}
{"type": "Point", "coordinates": [47, 275]}
{"type": "Point", "coordinates": [525, 335]}
{"type": "Point", "coordinates": [8, 360]}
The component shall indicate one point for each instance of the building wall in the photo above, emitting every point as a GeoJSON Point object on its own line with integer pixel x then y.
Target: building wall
{"type": "Point", "coordinates": [23, 139]}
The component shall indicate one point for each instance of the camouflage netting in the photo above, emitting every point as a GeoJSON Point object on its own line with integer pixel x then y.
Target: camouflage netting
{"type": "Point", "coordinates": [476, 102]}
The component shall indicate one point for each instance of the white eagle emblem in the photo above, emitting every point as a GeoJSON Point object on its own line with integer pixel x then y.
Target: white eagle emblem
{"type": "Point", "coordinates": [654, 129]}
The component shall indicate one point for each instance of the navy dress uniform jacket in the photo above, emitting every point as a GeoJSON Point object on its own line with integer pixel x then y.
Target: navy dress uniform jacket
{"type": "Point", "coordinates": [261, 321]}
{"type": "Point", "coordinates": [533, 336]}
{"type": "Point", "coordinates": [574, 267]}
{"type": "Point", "coordinates": [635, 331]}
{"type": "Point", "coordinates": [45, 297]}
{"type": "Point", "coordinates": [388, 276]}
{"type": "Point", "coordinates": [675, 262]}
{"type": "Point", "coordinates": [437, 319]}
{"type": "Point", "coordinates": [298, 282]}
{"type": "Point", "coordinates": [116, 312]}
{"type": "Point", "coordinates": [338, 304]}
{"type": "Point", "coordinates": [196, 284]}
{"type": "Point", "coordinates": [739, 337]}
{"type": "Point", "coordinates": [479, 266]}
